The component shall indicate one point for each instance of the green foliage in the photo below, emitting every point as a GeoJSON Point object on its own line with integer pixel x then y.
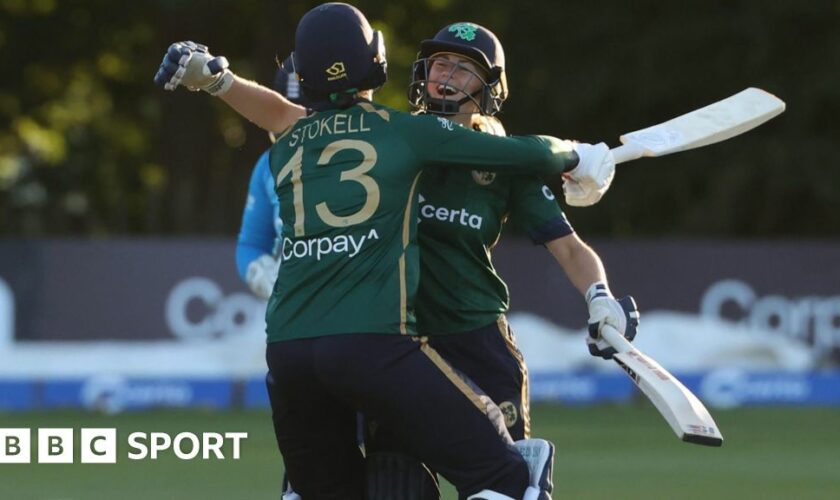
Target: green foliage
{"type": "Point", "coordinates": [89, 146]}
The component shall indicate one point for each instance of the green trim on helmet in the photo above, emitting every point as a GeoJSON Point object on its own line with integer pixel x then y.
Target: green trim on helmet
{"type": "Point", "coordinates": [336, 95]}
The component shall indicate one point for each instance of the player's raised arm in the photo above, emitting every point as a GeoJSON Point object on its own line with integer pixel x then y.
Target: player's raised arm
{"type": "Point", "coordinates": [266, 108]}
{"type": "Point", "coordinates": [191, 65]}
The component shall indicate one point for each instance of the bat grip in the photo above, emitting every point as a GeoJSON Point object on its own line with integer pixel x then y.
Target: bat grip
{"type": "Point", "coordinates": [615, 339]}
{"type": "Point", "coordinates": [627, 152]}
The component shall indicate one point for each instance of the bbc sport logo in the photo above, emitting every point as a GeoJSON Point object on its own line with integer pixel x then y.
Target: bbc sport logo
{"type": "Point", "coordinates": [100, 445]}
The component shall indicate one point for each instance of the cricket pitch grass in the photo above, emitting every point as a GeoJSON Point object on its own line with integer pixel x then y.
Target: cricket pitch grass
{"type": "Point", "coordinates": [603, 452]}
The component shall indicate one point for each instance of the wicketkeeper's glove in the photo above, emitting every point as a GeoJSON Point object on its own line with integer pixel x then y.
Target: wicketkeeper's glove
{"type": "Point", "coordinates": [190, 64]}
{"type": "Point", "coordinates": [621, 314]}
{"type": "Point", "coordinates": [261, 275]}
{"type": "Point", "coordinates": [585, 184]}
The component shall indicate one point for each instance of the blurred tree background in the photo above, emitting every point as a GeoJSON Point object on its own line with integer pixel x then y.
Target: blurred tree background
{"type": "Point", "coordinates": [90, 147]}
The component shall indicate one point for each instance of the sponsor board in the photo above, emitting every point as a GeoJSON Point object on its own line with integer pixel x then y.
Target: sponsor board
{"type": "Point", "coordinates": [17, 395]}
{"type": "Point", "coordinates": [735, 388]}
{"type": "Point", "coordinates": [580, 388]}
{"type": "Point", "coordinates": [189, 334]}
{"type": "Point", "coordinates": [114, 393]}
{"type": "Point", "coordinates": [255, 394]}
{"type": "Point", "coordinates": [719, 389]}
{"type": "Point", "coordinates": [812, 319]}
{"type": "Point", "coordinates": [7, 315]}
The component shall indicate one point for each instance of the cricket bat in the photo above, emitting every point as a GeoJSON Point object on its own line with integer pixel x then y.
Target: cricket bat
{"type": "Point", "coordinates": [713, 123]}
{"type": "Point", "coordinates": [686, 415]}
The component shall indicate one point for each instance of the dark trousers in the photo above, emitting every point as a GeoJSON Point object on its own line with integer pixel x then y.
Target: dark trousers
{"type": "Point", "coordinates": [490, 358]}
{"type": "Point", "coordinates": [317, 385]}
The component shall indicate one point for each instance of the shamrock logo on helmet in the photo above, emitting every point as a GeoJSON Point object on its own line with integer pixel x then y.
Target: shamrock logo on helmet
{"type": "Point", "coordinates": [464, 31]}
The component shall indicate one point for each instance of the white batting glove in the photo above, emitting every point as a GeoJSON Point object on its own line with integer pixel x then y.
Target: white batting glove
{"type": "Point", "coordinates": [190, 64]}
{"type": "Point", "coordinates": [622, 314]}
{"type": "Point", "coordinates": [262, 274]}
{"type": "Point", "coordinates": [586, 184]}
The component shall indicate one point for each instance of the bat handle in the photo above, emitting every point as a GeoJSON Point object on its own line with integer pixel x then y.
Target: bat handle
{"type": "Point", "coordinates": [627, 152]}
{"type": "Point", "coordinates": [615, 339]}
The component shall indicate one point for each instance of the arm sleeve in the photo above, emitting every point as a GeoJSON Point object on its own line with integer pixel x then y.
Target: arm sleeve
{"type": "Point", "coordinates": [257, 232]}
{"type": "Point", "coordinates": [534, 208]}
{"type": "Point", "coordinates": [439, 142]}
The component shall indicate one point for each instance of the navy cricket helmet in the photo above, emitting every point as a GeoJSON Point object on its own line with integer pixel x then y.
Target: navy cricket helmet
{"type": "Point", "coordinates": [337, 54]}
{"type": "Point", "coordinates": [479, 45]}
{"type": "Point", "coordinates": [286, 82]}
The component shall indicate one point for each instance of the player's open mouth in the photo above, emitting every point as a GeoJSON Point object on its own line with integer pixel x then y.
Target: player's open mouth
{"type": "Point", "coordinates": [446, 90]}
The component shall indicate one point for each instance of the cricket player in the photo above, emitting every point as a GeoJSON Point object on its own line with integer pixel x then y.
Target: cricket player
{"type": "Point", "coordinates": [258, 245]}
{"type": "Point", "coordinates": [261, 225]}
{"type": "Point", "coordinates": [257, 248]}
{"type": "Point", "coordinates": [341, 328]}
{"type": "Point", "coordinates": [461, 300]}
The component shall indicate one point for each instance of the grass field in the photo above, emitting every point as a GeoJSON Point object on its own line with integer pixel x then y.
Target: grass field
{"type": "Point", "coordinates": [604, 452]}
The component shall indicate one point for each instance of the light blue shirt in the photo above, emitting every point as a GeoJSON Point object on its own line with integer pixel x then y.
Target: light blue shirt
{"type": "Point", "coordinates": [261, 224]}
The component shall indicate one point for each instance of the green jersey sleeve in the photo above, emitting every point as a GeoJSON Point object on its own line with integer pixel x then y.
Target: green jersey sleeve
{"type": "Point", "coordinates": [439, 142]}
{"type": "Point", "coordinates": [534, 208]}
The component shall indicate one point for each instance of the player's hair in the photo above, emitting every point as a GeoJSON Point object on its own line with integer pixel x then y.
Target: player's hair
{"type": "Point", "coordinates": [488, 125]}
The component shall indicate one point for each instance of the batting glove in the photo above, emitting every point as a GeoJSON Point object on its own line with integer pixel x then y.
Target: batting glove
{"type": "Point", "coordinates": [622, 314]}
{"type": "Point", "coordinates": [586, 184]}
{"type": "Point", "coordinates": [190, 64]}
{"type": "Point", "coordinates": [262, 274]}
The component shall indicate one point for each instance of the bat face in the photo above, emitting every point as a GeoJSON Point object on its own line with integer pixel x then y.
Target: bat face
{"type": "Point", "coordinates": [713, 123]}
{"type": "Point", "coordinates": [655, 140]}
{"type": "Point", "coordinates": [686, 415]}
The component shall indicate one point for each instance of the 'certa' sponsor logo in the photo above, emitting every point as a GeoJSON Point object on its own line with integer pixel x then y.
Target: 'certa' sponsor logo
{"type": "Point", "coordinates": [321, 247]}
{"type": "Point", "coordinates": [729, 388]}
{"type": "Point", "coordinates": [443, 214]}
{"type": "Point", "coordinates": [114, 393]}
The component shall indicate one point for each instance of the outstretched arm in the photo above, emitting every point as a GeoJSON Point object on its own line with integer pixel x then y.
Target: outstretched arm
{"type": "Point", "coordinates": [439, 142]}
{"type": "Point", "coordinates": [191, 65]}
{"type": "Point", "coordinates": [266, 108]}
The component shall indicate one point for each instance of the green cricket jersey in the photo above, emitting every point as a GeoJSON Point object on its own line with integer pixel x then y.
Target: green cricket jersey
{"type": "Point", "coordinates": [347, 180]}
{"type": "Point", "coordinates": [461, 218]}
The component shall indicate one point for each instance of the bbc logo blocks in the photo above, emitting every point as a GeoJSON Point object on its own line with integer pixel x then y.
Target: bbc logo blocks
{"type": "Point", "coordinates": [99, 446]}
{"type": "Point", "coordinates": [15, 446]}
{"type": "Point", "coordinates": [56, 446]}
